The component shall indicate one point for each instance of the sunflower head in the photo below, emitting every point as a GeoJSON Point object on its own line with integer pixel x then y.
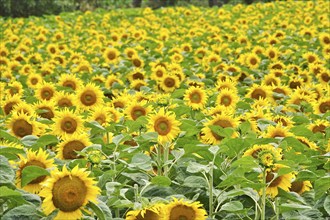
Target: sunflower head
{"type": "Point", "coordinates": [267, 154]}
{"type": "Point", "coordinates": [69, 192]}
{"type": "Point", "coordinates": [70, 144]}
{"type": "Point", "coordinates": [195, 97]}
{"type": "Point", "coordinates": [22, 124]}
{"type": "Point", "coordinates": [154, 212]}
{"type": "Point", "coordinates": [90, 96]}
{"type": "Point", "coordinates": [185, 210]}
{"type": "Point", "coordinates": [67, 122]}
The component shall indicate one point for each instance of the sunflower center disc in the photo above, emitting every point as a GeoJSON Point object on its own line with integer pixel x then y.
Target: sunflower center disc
{"type": "Point", "coordinates": [70, 148]}
{"type": "Point", "coordinates": [70, 84]}
{"type": "Point", "coordinates": [195, 98]}
{"type": "Point", "coordinates": [111, 55]}
{"type": "Point", "coordinates": [69, 125]}
{"type": "Point", "coordinates": [88, 98]}
{"type": "Point", "coordinates": [162, 127]}
{"type": "Point", "coordinates": [225, 100]}
{"type": "Point", "coordinates": [324, 107]}
{"type": "Point", "coordinates": [69, 193]}
{"type": "Point", "coordinates": [182, 212]}
{"type": "Point", "coordinates": [137, 113]}
{"type": "Point", "coordinates": [296, 186]}
{"type": "Point", "coordinates": [169, 82]}
{"type": "Point", "coordinates": [22, 128]}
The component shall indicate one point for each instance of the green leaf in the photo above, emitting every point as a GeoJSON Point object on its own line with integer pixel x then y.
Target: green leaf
{"type": "Point", "coordinates": [9, 194]}
{"type": "Point", "coordinates": [307, 175]}
{"type": "Point", "coordinates": [194, 167]}
{"type": "Point", "coordinates": [232, 206]}
{"type": "Point", "coordinates": [32, 172]}
{"type": "Point", "coordinates": [161, 181]}
{"type": "Point", "coordinates": [11, 153]}
{"type": "Point", "coordinates": [302, 131]}
{"type": "Point", "coordinates": [6, 136]}
{"type": "Point", "coordinates": [189, 127]}
{"type": "Point", "coordinates": [195, 182]}
{"type": "Point", "coordinates": [29, 140]}
{"type": "Point", "coordinates": [141, 161]}
{"type": "Point", "coordinates": [321, 186]}
{"type": "Point", "coordinates": [327, 204]}
{"type": "Point", "coordinates": [7, 173]}
{"type": "Point", "coordinates": [22, 212]}
{"type": "Point", "coordinates": [99, 211]}
{"type": "Point", "coordinates": [45, 140]}
{"type": "Point", "coordinates": [177, 153]}
{"type": "Point", "coordinates": [286, 207]}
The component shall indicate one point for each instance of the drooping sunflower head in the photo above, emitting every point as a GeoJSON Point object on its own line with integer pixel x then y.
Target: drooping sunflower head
{"type": "Point", "coordinates": [319, 125]}
{"type": "Point", "coordinates": [89, 97]}
{"type": "Point", "coordinates": [22, 124]}
{"type": "Point", "coordinates": [267, 155]}
{"type": "Point", "coordinates": [136, 109]}
{"type": "Point", "coordinates": [45, 109]}
{"type": "Point", "coordinates": [165, 124]}
{"type": "Point", "coordinates": [178, 209]}
{"type": "Point", "coordinates": [67, 148]}
{"type": "Point", "coordinates": [223, 121]}
{"type": "Point", "coordinates": [32, 158]}
{"type": "Point", "coordinates": [67, 122]}
{"type": "Point", "coordinates": [69, 192]}
{"type": "Point", "coordinates": [195, 97]}
{"type": "Point", "coordinates": [300, 186]}
{"type": "Point", "coordinates": [274, 181]}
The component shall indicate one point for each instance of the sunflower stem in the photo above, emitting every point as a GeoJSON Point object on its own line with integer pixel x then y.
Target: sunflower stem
{"type": "Point", "coordinates": [211, 191]}
{"type": "Point", "coordinates": [159, 160]}
{"type": "Point", "coordinates": [277, 208]}
{"type": "Point", "coordinates": [166, 154]}
{"type": "Point", "coordinates": [263, 198]}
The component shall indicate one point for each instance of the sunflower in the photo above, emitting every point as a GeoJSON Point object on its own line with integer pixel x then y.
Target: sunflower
{"type": "Point", "coordinates": [9, 103]}
{"type": "Point", "coordinates": [137, 84]}
{"type": "Point", "coordinates": [324, 77]}
{"type": "Point", "coordinates": [227, 98]}
{"type": "Point", "coordinates": [274, 181]}
{"type": "Point", "coordinates": [271, 80]}
{"type": "Point", "coordinates": [70, 81]}
{"type": "Point", "coordinates": [300, 186]}
{"type": "Point", "coordinates": [272, 53]}
{"type": "Point", "coordinates": [119, 102]}
{"type": "Point", "coordinates": [280, 92]}
{"type": "Point", "coordinates": [136, 109]}
{"type": "Point", "coordinates": [165, 124]}
{"type": "Point", "coordinates": [33, 80]}
{"type": "Point", "coordinates": [266, 154]}
{"type": "Point", "coordinates": [169, 83]}
{"type": "Point", "coordinates": [324, 38]}
{"type": "Point", "coordinates": [278, 131]}
{"type": "Point", "coordinates": [223, 121]}
{"type": "Point", "coordinates": [45, 91]}
{"type": "Point", "coordinates": [136, 74]}
{"type": "Point", "coordinates": [195, 98]}
{"type": "Point", "coordinates": [322, 105]}
{"type": "Point", "coordinates": [180, 209]}
{"type": "Point", "coordinates": [67, 122]}
{"type": "Point", "coordinates": [21, 124]}
{"type": "Point", "coordinates": [67, 148]}
{"type": "Point", "coordinates": [284, 120]}
{"type": "Point", "coordinates": [40, 159]}
{"type": "Point", "coordinates": [158, 72]}
{"type": "Point", "coordinates": [69, 192]}
{"type": "Point", "coordinates": [111, 79]}
{"type": "Point", "coordinates": [63, 99]}
{"type": "Point", "coordinates": [23, 107]}
{"type": "Point", "coordinates": [101, 115]}
{"type": "Point", "coordinates": [45, 109]}
{"type": "Point", "coordinates": [15, 88]}
{"type": "Point", "coordinates": [154, 212]}
{"type": "Point", "coordinates": [319, 125]}
{"type": "Point", "coordinates": [130, 52]}
{"type": "Point", "coordinates": [89, 96]}
{"type": "Point", "coordinates": [137, 61]}
{"type": "Point", "coordinates": [111, 55]}
{"type": "Point", "coordinates": [226, 83]}
{"type": "Point", "coordinates": [252, 61]}
{"type": "Point", "coordinates": [311, 57]}
{"type": "Point", "coordinates": [259, 91]}
{"type": "Point", "coordinates": [298, 99]}
{"type": "Point", "coordinates": [305, 141]}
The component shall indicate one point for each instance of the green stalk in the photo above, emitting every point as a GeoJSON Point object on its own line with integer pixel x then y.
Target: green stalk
{"type": "Point", "coordinates": [263, 198]}
{"type": "Point", "coordinates": [211, 191]}
{"type": "Point", "coordinates": [159, 160]}
{"type": "Point", "coordinates": [166, 155]}
{"type": "Point", "coordinates": [277, 208]}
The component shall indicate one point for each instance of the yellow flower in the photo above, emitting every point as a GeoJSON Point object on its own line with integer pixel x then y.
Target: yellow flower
{"type": "Point", "coordinates": [227, 98]}
{"type": "Point", "coordinates": [45, 91]}
{"type": "Point", "coordinates": [21, 124]}
{"type": "Point", "coordinates": [154, 212]}
{"type": "Point", "coordinates": [136, 109]}
{"type": "Point", "coordinates": [9, 103]}
{"type": "Point", "coordinates": [40, 159]}
{"type": "Point", "coordinates": [180, 209]}
{"type": "Point", "coordinates": [165, 124]}
{"type": "Point", "coordinates": [169, 83]}
{"type": "Point", "coordinates": [67, 122]}
{"type": "Point", "coordinates": [111, 55]}
{"type": "Point", "coordinates": [67, 148]}
{"type": "Point", "coordinates": [69, 192]}
{"type": "Point", "coordinates": [70, 81]}
{"type": "Point", "coordinates": [90, 96]}
{"type": "Point", "coordinates": [266, 154]}
{"type": "Point", "coordinates": [195, 97]}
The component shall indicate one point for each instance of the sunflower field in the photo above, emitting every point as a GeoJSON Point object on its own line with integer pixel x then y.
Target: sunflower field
{"type": "Point", "coordinates": [179, 113]}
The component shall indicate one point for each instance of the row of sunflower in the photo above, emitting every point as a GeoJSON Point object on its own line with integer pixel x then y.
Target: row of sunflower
{"type": "Point", "coordinates": [178, 113]}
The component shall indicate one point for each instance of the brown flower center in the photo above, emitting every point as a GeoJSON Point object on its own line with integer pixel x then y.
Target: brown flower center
{"type": "Point", "coordinates": [70, 84]}
{"type": "Point", "coordinates": [69, 193]}
{"type": "Point", "coordinates": [148, 215]}
{"type": "Point", "coordinates": [64, 102]}
{"type": "Point", "coordinates": [272, 54]}
{"type": "Point", "coordinates": [275, 182]}
{"type": "Point", "coordinates": [253, 61]}
{"type": "Point", "coordinates": [48, 114]}
{"type": "Point", "coordinates": [325, 77]}
{"type": "Point", "coordinates": [162, 126]}
{"type": "Point", "coordinates": [296, 186]}
{"type": "Point", "coordinates": [34, 81]}
{"type": "Point", "coordinates": [294, 84]}
{"type": "Point", "coordinates": [8, 107]}
{"type": "Point", "coordinates": [324, 107]}
{"type": "Point", "coordinates": [22, 128]}
{"type": "Point", "coordinates": [195, 97]}
{"type": "Point", "coordinates": [34, 163]}
{"type": "Point", "coordinates": [326, 40]}
{"type": "Point", "coordinates": [222, 123]}
{"type": "Point", "coordinates": [70, 148]}
{"type": "Point", "coordinates": [68, 125]}
{"type": "Point", "coordinates": [258, 93]}
{"type": "Point", "coordinates": [225, 100]}
{"type": "Point", "coordinates": [88, 98]}
{"type": "Point", "coordinates": [182, 212]}
{"type": "Point", "coordinates": [137, 111]}
{"type": "Point", "coordinates": [111, 55]}
{"type": "Point", "coordinates": [137, 62]}
{"type": "Point", "coordinates": [47, 93]}
{"type": "Point", "coordinates": [138, 75]}
{"type": "Point", "coordinates": [319, 128]}
{"type": "Point", "coordinates": [169, 82]}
